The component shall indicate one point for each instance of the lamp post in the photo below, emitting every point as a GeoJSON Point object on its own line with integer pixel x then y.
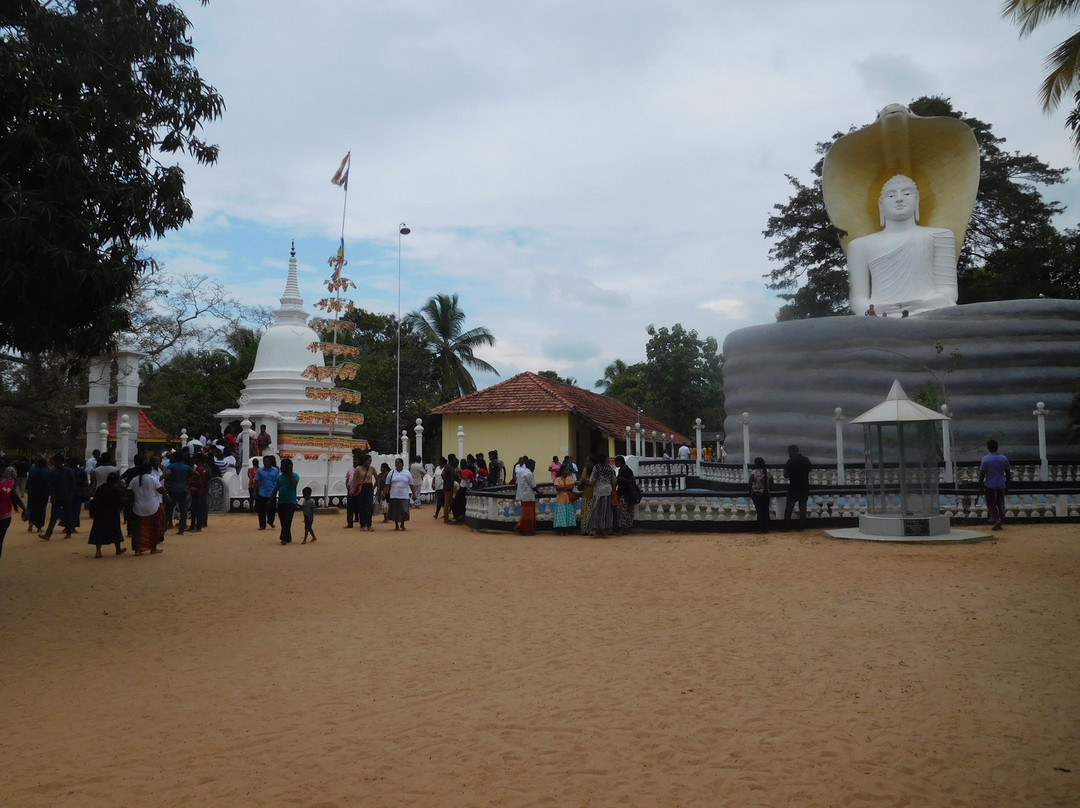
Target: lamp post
{"type": "Point", "coordinates": [403, 230]}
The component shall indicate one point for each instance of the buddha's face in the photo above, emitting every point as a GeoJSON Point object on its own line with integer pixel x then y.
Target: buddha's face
{"type": "Point", "coordinates": [899, 199]}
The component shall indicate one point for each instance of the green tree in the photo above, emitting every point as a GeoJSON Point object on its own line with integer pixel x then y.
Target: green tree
{"type": "Point", "coordinates": [629, 385]}
{"type": "Point", "coordinates": [376, 337]}
{"type": "Point", "coordinates": [684, 377]}
{"type": "Point", "coordinates": [1063, 62]}
{"type": "Point", "coordinates": [440, 324]}
{"type": "Point", "coordinates": [38, 400]}
{"type": "Point", "coordinates": [1010, 219]}
{"type": "Point", "coordinates": [555, 377]}
{"type": "Point", "coordinates": [192, 386]}
{"type": "Point", "coordinates": [611, 374]}
{"type": "Point", "coordinates": [93, 96]}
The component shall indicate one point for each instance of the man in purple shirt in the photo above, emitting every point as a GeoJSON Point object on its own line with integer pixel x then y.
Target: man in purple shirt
{"type": "Point", "coordinates": [993, 480]}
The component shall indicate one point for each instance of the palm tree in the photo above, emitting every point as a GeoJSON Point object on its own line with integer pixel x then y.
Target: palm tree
{"type": "Point", "coordinates": [611, 374]}
{"type": "Point", "coordinates": [439, 323]}
{"type": "Point", "coordinates": [1063, 61]}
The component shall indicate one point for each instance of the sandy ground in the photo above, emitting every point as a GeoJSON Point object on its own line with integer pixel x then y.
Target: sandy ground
{"type": "Point", "coordinates": [444, 667]}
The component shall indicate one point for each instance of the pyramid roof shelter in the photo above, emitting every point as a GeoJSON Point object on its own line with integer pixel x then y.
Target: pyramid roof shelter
{"type": "Point", "coordinates": [898, 408]}
{"type": "Point", "coordinates": [525, 414]}
{"type": "Point", "coordinates": [148, 431]}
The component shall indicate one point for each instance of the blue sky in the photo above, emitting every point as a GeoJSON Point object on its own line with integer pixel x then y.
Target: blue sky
{"type": "Point", "coordinates": [573, 171]}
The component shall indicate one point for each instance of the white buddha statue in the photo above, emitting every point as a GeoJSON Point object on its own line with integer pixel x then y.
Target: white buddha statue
{"type": "Point", "coordinates": [905, 267]}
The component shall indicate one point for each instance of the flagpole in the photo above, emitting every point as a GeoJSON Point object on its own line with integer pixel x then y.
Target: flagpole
{"type": "Point", "coordinates": [333, 356]}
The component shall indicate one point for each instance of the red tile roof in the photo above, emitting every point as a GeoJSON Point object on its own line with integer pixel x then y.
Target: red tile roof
{"type": "Point", "coordinates": [148, 432]}
{"type": "Point", "coordinates": [528, 392]}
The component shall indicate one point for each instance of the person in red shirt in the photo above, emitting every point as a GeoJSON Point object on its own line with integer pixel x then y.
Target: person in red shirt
{"type": "Point", "coordinates": [9, 499]}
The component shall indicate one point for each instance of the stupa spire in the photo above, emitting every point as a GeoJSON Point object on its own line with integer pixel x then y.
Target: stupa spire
{"type": "Point", "coordinates": [292, 305]}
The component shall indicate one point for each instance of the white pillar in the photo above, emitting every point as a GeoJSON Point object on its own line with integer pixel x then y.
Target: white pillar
{"type": "Point", "coordinates": [97, 403]}
{"type": "Point", "coordinates": [246, 434]}
{"type": "Point", "coordinates": [627, 449]}
{"type": "Point", "coordinates": [405, 447]}
{"type": "Point", "coordinates": [839, 415]}
{"type": "Point", "coordinates": [946, 445]}
{"type": "Point", "coordinates": [103, 437]}
{"type": "Point", "coordinates": [746, 447]}
{"type": "Point", "coordinates": [697, 461]}
{"type": "Point", "coordinates": [1040, 414]}
{"type": "Point", "coordinates": [123, 435]}
{"type": "Point", "coordinates": [419, 430]}
{"type": "Point", "coordinates": [460, 442]}
{"type": "Point", "coordinates": [637, 439]}
{"type": "Point", "coordinates": [654, 444]}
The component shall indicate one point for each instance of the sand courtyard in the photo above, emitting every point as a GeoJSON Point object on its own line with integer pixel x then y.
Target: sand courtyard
{"type": "Point", "coordinates": [446, 667]}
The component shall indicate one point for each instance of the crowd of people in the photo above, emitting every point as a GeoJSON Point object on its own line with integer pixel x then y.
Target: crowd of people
{"type": "Point", "coordinates": [155, 493]}
{"type": "Point", "coordinates": [608, 492]}
{"type": "Point", "coordinates": [158, 493]}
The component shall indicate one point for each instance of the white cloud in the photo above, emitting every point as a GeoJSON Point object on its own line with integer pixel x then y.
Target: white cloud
{"type": "Point", "coordinates": [567, 168]}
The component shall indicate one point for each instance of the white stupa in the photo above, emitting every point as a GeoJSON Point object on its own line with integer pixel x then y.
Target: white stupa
{"type": "Point", "coordinates": [275, 391]}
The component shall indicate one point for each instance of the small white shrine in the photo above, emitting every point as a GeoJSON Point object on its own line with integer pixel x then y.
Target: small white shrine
{"type": "Point", "coordinates": [902, 500]}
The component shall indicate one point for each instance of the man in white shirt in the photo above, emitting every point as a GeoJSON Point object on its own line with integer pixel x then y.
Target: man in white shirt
{"type": "Point", "coordinates": [684, 452]}
{"type": "Point", "coordinates": [437, 485]}
{"type": "Point", "coordinates": [91, 464]}
{"type": "Point", "coordinates": [526, 496]}
{"type": "Point", "coordinates": [416, 469]}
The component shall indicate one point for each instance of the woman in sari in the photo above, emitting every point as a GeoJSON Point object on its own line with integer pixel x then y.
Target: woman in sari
{"type": "Point", "coordinates": [399, 491]}
{"type": "Point", "coordinates": [105, 508]}
{"type": "Point", "coordinates": [626, 490]}
{"type": "Point", "coordinates": [565, 518]}
{"type": "Point", "coordinates": [586, 487]}
{"type": "Point", "coordinates": [146, 508]}
{"type": "Point", "coordinates": [603, 480]}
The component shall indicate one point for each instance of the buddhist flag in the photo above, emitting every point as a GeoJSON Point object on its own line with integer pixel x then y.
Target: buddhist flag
{"type": "Point", "coordinates": [341, 176]}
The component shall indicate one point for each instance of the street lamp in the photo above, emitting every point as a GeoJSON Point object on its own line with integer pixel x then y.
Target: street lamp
{"type": "Point", "coordinates": [403, 230]}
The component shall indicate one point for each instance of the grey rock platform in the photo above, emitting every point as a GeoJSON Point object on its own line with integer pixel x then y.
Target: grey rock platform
{"type": "Point", "coordinates": [1011, 354]}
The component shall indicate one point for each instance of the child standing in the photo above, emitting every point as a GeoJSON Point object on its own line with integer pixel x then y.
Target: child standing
{"type": "Point", "coordinates": [309, 515]}
{"type": "Point", "coordinates": [760, 480]}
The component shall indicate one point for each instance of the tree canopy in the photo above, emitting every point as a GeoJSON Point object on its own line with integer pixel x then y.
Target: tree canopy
{"type": "Point", "coordinates": [1063, 62]}
{"type": "Point", "coordinates": [681, 379]}
{"type": "Point", "coordinates": [1012, 247]}
{"type": "Point", "coordinates": [188, 389]}
{"type": "Point", "coordinates": [93, 96]}
{"type": "Point", "coordinates": [440, 324]}
{"type": "Point", "coordinates": [376, 379]}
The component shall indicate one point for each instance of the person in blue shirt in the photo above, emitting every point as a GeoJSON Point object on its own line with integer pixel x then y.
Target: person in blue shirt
{"type": "Point", "coordinates": [285, 489]}
{"type": "Point", "coordinates": [994, 480]}
{"type": "Point", "coordinates": [265, 482]}
{"type": "Point", "coordinates": [176, 476]}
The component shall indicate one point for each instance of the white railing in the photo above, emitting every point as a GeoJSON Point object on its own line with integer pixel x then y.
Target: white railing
{"type": "Point", "coordinates": [677, 506]}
